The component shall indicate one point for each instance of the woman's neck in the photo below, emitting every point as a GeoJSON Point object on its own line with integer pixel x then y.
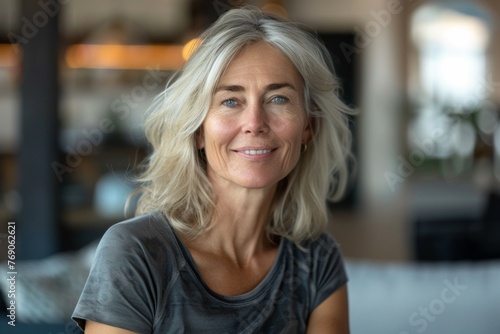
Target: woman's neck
{"type": "Point", "coordinates": [239, 223]}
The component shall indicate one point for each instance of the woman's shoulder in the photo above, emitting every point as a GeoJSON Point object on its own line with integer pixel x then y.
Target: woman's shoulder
{"type": "Point", "coordinates": [321, 265]}
{"type": "Point", "coordinates": [324, 242]}
{"type": "Point", "coordinates": [134, 263]}
{"type": "Point", "coordinates": [147, 226]}
{"type": "Point", "coordinates": [319, 251]}
{"type": "Point", "coordinates": [138, 223]}
{"type": "Point", "coordinates": [147, 235]}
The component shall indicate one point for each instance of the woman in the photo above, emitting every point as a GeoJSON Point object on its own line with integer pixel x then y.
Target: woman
{"type": "Point", "coordinates": [246, 143]}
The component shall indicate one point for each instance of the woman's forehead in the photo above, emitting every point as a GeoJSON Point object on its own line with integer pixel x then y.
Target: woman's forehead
{"type": "Point", "coordinates": [260, 62]}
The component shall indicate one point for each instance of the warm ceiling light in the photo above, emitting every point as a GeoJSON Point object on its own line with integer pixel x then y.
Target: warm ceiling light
{"type": "Point", "coordinates": [164, 57]}
{"type": "Point", "coordinates": [9, 55]}
{"type": "Point", "coordinates": [190, 47]}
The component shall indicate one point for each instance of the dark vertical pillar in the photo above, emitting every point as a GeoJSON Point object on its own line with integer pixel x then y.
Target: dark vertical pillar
{"type": "Point", "coordinates": [38, 225]}
{"type": "Point", "coordinates": [346, 69]}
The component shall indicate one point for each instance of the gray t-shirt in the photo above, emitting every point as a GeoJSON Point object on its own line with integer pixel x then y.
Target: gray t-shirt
{"type": "Point", "coordinates": [144, 279]}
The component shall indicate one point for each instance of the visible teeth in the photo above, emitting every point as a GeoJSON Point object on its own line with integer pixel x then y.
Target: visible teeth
{"type": "Point", "coordinates": [255, 152]}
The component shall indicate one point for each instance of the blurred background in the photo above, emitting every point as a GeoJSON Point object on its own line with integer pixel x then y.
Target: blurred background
{"type": "Point", "coordinates": [421, 214]}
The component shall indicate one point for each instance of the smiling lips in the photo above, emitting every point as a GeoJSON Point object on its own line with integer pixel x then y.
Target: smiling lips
{"type": "Point", "coordinates": [256, 152]}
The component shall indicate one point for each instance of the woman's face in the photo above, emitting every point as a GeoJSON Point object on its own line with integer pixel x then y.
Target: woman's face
{"type": "Point", "coordinates": [257, 121]}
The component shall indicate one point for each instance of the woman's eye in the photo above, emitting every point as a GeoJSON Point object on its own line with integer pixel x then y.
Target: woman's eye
{"type": "Point", "coordinates": [279, 100]}
{"type": "Point", "coordinates": [230, 103]}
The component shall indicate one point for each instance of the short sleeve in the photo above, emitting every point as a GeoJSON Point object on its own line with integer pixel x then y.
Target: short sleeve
{"type": "Point", "coordinates": [120, 288]}
{"type": "Point", "coordinates": [329, 272]}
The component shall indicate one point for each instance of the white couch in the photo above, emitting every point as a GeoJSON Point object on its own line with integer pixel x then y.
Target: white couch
{"type": "Point", "coordinates": [439, 298]}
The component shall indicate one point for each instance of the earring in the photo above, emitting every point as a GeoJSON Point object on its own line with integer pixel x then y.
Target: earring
{"type": "Point", "coordinates": [304, 148]}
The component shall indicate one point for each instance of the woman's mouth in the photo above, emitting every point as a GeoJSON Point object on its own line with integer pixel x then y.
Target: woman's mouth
{"type": "Point", "coordinates": [256, 152]}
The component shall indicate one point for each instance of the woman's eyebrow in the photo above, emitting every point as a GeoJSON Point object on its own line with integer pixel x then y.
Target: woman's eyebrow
{"type": "Point", "coordinates": [238, 88]}
{"type": "Point", "coordinates": [230, 88]}
{"type": "Point", "coordinates": [279, 85]}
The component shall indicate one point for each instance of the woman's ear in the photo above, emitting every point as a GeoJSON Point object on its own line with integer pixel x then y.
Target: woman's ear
{"type": "Point", "coordinates": [308, 130]}
{"type": "Point", "coordinates": [200, 139]}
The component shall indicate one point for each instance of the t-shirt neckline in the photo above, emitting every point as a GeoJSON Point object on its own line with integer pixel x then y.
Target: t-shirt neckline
{"type": "Point", "coordinates": [249, 296]}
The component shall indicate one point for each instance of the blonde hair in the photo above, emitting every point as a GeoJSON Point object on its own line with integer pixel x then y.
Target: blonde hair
{"type": "Point", "coordinates": [174, 181]}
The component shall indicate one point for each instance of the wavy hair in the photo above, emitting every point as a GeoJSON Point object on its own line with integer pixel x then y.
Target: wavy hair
{"type": "Point", "coordinates": [174, 179]}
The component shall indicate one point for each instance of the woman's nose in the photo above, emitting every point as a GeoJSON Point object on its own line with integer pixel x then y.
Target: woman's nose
{"type": "Point", "coordinates": [254, 119]}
